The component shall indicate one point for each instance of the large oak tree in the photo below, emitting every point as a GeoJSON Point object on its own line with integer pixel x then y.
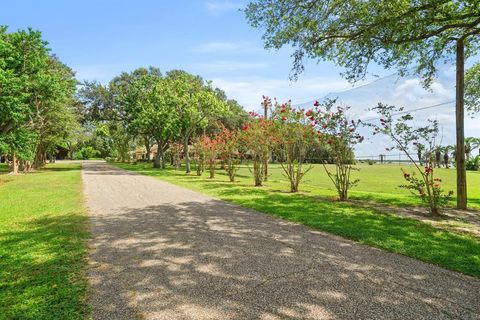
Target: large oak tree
{"type": "Point", "coordinates": [401, 34]}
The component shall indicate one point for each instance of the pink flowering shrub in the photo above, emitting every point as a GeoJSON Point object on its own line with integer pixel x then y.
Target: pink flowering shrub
{"type": "Point", "coordinates": [295, 133]}
{"type": "Point", "coordinates": [259, 138]}
{"type": "Point", "coordinates": [229, 150]}
{"type": "Point", "coordinates": [341, 136]}
{"type": "Point", "coordinates": [206, 153]}
{"type": "Point", "coordinates": [406, 138]}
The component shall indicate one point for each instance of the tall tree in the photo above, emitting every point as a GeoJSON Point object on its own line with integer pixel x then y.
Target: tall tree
{"type": "Point", "coordinates": [36, 100]}
{"type": "Point", "coordinates": [23, 54]}
{"type": "Point", "coordinates": [151, 108]}
{"type": "Point", "coordinates": [401, 34]}
{"type": "Point", "coordinates": [195, 103]}
{"type": "Point", "coordinates": [124, 95]}
{"type": "Point", "coordinates": [54, 113]}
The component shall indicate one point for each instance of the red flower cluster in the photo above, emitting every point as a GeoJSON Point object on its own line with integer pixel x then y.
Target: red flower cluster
{"type": "Point", "coordinates": [428, 170]}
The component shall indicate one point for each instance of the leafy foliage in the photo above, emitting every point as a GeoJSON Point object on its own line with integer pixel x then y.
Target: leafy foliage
{"type": "Point", "coordinates": [472, 89]}
{"type": "Point", "coordinates": [295, 134]}
{"type": "Point", "coordinates": [406, 137]}
{"type": "Point", "coordinates": [259, 137]}
{"type": "Point", "coordinates": [353, 34]}
{"type": "Point", "coordinates": [230, 150]}
{"type": "Point", "coordinates": [473, 164]}
{"type": "Point", "coordinates": [341, 136]}
{"type": "Point", "coordinates": [36, 103]}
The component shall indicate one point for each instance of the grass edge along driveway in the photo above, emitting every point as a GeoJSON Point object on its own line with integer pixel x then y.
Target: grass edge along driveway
{"type": "Point", "coordinates": [392, 233]}
{"type": "Point", "coordinates": [43, 245]}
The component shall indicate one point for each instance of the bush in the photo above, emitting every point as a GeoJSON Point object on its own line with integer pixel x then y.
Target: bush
{"type": "Point", "coordinates": [341, 136]}
{"type": "Point", "coordinates": [86, 153]}
{"type": "Point", "coordinates": [473, 164]}
{"type": "Point", "coordinates": [371, 162]}
{"type": "Point", "coordinates": [408, 138]}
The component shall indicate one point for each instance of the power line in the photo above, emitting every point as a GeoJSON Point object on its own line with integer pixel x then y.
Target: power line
{"type": "Point", "coordinates": [412, 110]}
{"type": "Point", "coordinates": [310, 102]}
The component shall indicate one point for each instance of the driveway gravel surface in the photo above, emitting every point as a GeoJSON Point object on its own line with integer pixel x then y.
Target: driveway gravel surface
{"type": "Point", "coordinates": [159, 251]}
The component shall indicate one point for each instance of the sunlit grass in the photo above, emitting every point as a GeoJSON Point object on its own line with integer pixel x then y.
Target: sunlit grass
{"type": "Point", "coordinates": [390, 232]}
{"type": "Point", "coordinates": [43, 232]}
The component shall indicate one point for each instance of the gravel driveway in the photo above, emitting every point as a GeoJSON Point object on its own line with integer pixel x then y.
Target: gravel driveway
{"type": "Point", "coordinates": [164, 252]}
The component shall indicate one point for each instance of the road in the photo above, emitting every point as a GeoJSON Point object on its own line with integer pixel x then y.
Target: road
{"type": "Point", "coordinates": [159, 251]}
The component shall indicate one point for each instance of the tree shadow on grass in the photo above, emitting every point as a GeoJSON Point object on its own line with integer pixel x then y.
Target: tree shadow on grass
{"type": "Point", "coordinates": [215, 260]}
{"type": "Point", "coordinates": [41, 269]}
{"type": "Point", "coordinates": [389, 231]}
{"type": "Point", "coordinates": [60, 169]}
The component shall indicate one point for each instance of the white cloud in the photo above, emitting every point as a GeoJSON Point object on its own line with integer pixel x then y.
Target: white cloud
{"type": "Point", "coordinates": [248, 91]}
{"type": "Point", "coordinates": [216, 47]}
{"type": "Point", "coordinates": [223, 6]}
{"type": "Point", "coordinates": [408, 93]}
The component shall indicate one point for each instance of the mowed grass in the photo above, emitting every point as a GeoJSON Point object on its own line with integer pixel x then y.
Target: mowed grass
{"type": "Point", "coordinates": [3, 168]}
{"type": "Point", "coordinates": [43, 234]}
{"type": "Point", "coordinates": [387, 231]}
{"type": "Point", "coordinates": [379, 183]}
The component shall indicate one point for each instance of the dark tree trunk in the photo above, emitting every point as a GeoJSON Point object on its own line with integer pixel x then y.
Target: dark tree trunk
{"type": "Point", "coordinates": [185, 154]}
{"type": "Point", "coordinates": [162, 150]}
{"type": "Point", "coordinates": [147, 148]}
{"type": "Point", "coordinates": [158, 162]}
{"type": "Point", "coordinates": [460, 132]}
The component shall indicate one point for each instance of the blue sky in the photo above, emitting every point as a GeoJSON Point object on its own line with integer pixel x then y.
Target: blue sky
{"type": "Point", "coordinates": [100, 39]}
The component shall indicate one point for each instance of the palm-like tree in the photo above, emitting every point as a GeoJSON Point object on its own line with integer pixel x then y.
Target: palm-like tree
{"type": "Point", "coordinates": [446, 155]}
{"type": "Point", "coordinates": [471, 144]}
{"type": "Point", "coordinates": [476, 145]}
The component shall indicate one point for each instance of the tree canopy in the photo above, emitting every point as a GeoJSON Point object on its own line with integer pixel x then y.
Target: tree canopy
{"type": "Point", "coordinates": [403, 34]}
{"type": "Point", "coordinates": [36, 101]}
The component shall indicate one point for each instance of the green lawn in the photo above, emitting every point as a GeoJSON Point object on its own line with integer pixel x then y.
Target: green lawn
{"type": "Point", "coordinates": [402, 235]}
{"type": "Point", "coordinates": [377, 182]}
{"type": "Point", "coordinates": [3, 168]}
{"type": "Point", "coordinates": [43, 234]}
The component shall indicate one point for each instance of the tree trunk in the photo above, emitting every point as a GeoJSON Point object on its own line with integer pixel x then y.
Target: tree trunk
{"type": "Point", "coordinates": [265, 168]}
{"type": "Point", "coordinates": [14, 164]}
{"type": "Point", "coordinates": [460, 130]}
{"type": "Point", "coordinates": [185, 154]}
{"type": "Point", "coordinates": [147, 148]}
{"type": "Point", "coordinates": [293, 186]}
{"type": "Point", "coordinates": [212, 170]}
{"type": "Point", "coordinates": [157, 163]}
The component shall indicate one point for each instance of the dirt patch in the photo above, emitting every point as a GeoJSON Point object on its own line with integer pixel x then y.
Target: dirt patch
{"type": "Point", "coordinates": [4, 181]}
